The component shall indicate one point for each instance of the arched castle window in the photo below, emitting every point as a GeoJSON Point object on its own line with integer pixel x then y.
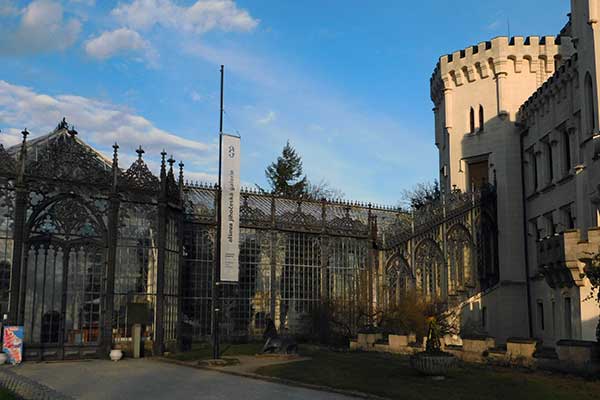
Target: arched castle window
{"type": "Point", "coordinates": [471, 120]}
{"type": "Point", "coordinates": [481, 117]}
{"type": "Point", "coordinates": [589, 101]}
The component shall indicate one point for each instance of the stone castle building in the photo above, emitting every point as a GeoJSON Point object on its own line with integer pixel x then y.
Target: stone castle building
{"type": "Point", "coordinates": [523, 113]}
{"type": "Point", "coordinates": [90, 250]}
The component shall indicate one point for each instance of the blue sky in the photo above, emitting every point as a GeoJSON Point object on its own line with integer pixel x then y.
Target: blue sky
{"type": "Point", "coordinates": [347, 82]}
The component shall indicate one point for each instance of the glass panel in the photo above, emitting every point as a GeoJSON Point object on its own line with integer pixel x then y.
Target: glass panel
{"type": "Point", "coordinates": [6, 245]}
{"type": "Point", "coordinates": [84, 295]}
{"type": "Point", "coordinates": [348, 280]}
{"type": "Point", "coordinates": [246, 304]}
{"type": "Point", "coordinates": [300, 281]}
{"type": "Point", "coordinates": [197, 277]}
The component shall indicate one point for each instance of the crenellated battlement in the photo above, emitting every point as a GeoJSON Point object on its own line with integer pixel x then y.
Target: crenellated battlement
{"type": "Point", "coordinates": [553, 89]}
{"type": "Point", "coordinates": [501, 55]}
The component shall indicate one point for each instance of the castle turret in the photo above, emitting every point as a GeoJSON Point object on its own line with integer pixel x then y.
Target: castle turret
{"type": "Point", "coordinates": [477, 93]}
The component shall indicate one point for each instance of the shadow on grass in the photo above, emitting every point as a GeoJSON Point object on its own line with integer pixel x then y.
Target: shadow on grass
{"type": "Point", "coordinates": [203, 351]}
{"type": "Point", "coordinates": [6, 394]}
{"type": "Point", "coordinates": [391, 376]}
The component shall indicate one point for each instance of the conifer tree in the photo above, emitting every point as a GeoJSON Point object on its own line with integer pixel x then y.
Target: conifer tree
{"type": "Point", "coordinates": [285, 175]}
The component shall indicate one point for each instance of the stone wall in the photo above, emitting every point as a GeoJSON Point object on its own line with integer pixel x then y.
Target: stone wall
{"type": "Point", "coordinates": [573, 356]}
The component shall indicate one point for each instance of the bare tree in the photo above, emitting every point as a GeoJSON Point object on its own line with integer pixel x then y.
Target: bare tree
{"type": "Point", "coordinates": [420, 195]}
{"type": "Point", "coordinates": [323, 190]}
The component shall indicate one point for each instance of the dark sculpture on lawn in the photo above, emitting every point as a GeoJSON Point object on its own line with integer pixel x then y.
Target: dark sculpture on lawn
{"type": "Point", "coordinates": [275, 344]}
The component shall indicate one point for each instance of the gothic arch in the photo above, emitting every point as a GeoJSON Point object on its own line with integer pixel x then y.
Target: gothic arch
{"type": "Point", "coordinates": [589, 103]}
{"type": "Point", "coordinates": [67, 216]}
{"type": "Point", "coordinates": [429, 265]}
{"type": "Point", "coordinates": [400, 278]}
{"type": "Point", "coordinates": [481, 118]}
{"type": "Point", "coordinates": [460, 248]}
{"type": "Point", "coordinates": [64, 265]}
{"type": "Point", "coordinates": [471, 120]}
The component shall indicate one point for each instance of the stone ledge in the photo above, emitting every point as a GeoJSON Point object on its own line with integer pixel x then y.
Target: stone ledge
{"type": "Point", "coordinates": [576, 343]}
{"type": "Point", "coordinates": [521, 340]}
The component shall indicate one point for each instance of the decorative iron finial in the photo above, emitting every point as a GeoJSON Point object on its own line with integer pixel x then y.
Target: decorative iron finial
{"type": "Point", "coordinates": [115, 152]}
{"type": "Point", "coordinates": [63, 124]}
{"type": "Point", "coordinates": [140, 152]}
{"type": "Point", "coordinates": [72, 131]}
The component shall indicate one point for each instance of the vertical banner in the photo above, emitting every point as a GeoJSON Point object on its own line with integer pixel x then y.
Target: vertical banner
{"type": "Point", "coordinates": [13, 343]}
{"type": "Point", "coordinates": [230, 207]}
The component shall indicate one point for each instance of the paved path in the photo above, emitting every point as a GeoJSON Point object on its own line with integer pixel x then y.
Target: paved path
{"type": "Point", "coordinates": [147, 379]}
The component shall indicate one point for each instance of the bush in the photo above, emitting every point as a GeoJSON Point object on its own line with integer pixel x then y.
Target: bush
{"type": "Point", "coordinates": [410, 314]}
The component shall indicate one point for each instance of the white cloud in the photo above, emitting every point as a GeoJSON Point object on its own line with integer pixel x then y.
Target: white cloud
{"type": "Point", "coordinates": [494, 24]}
{"type": "Point", "coordinates": [200, 17]}
{"type": "Point", "coordinates": [120, 41]}
{"type": "Point", "coordinates": [248, 65]}
{"type": "Point", "coordinates": [88, 3]}
{"type": "Point", "coordinates": [267, 119]}
{"type": "Point", "coordinates": [42, 28]}
{"type": "Point", "coordinates": [342, 128]}
{"type": "Point", "coordinates": [99, 123]}
{"type": "Point", "coordinates": [195, 96]}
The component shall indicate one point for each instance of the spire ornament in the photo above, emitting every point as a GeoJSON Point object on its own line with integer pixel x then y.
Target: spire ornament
{"type": "Point", "coordinates": [138, 176]}
{"type": "Point", "coordinates": [62, 124]}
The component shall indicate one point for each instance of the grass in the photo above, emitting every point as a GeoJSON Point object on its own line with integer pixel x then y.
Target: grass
{"type": "Point", "coordinates": [391, 376]}
{"type": "Point", "coordinates": [6, 394]}
{"type": "Point", "coordinates": [203, 351]}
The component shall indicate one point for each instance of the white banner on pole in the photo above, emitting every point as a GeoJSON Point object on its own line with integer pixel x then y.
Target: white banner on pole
{"type": "Point", "coordinates": [230, 207]}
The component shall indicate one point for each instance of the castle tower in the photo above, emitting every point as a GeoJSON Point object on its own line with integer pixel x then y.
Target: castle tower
{"type": "Point", "coordinates": [476, 94]}
{"type": "Point", "coordinates": [585, 31]}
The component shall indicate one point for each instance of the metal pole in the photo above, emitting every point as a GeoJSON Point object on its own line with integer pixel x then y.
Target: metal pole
{"type": "Point", "coordinates": [217, 263]}
{"type": "Point", "coordinates": [221, 114]}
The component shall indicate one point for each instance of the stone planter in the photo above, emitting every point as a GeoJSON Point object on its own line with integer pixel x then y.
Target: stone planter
{"type": "Point", "coordinates": [478, 344]}
{"type": "Point", "coordinates": [398, 340]}
{"type": "Point", "coordinates": [520, 347]}
{"type": "Point", "coordinates": [432, 364]}
{"type": "Point", "coordinates": [116, 354]}
{"type": "Point", "coordinates": [367, 340]}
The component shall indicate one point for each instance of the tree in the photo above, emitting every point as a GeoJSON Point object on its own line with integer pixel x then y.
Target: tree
{"type": "Point", "coordinates": [592, 272]}
{"type": "Point", "coordinates": [421, 194]}
{"type": "Point", "coordinates": [323, 190]}
{"type": "Point", "coordinates": [285, 175]}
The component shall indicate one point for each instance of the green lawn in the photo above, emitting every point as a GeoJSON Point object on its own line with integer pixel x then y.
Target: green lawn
{"type": "Point", "coordinates": [391, 376]}
{"type": "Point", "coordinates": [203, 351]}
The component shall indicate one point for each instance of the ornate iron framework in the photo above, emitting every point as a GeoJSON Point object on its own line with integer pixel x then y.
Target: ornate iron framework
{"type": "Point", "coordinates": [88, 249]}
{"type": "Point", "coordinates": [447, 252]}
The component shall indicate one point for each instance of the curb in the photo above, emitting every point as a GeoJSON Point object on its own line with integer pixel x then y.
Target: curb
{"type": "Point", "coordinates": [273, 379]}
